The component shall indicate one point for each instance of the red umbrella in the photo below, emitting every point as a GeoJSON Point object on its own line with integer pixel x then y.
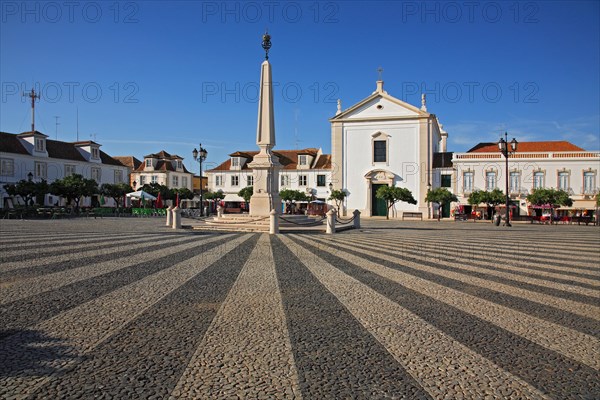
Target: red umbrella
{"type": "Point", "coordinates": [159, 203]}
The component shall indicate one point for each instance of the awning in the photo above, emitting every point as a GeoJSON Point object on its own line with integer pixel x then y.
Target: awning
{"type": "Point", "coordinates": [138, 195]}
{"type": "Point", "coordinates": [233, 197]}
{"type": "Point", "coordinates": [584, 204]}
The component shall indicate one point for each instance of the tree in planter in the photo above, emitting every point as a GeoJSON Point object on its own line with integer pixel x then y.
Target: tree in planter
{"type": "Point", "coordinates": [218, 195]}
{"type": "Point", "coordinates": [338, 196]}
{"type": "Point", "coordinates": [553, 197]}
{"type": "Point", "coordinates": [74, 187]}
{"type": "Point", "coordinates": [115, 191]}
{"type": "Point", "coordinates": [184, 193]}
{"type": "Point", "coordinates": [491, 199]}
{"type": "Point", "coordinates": [394, 194]}
{"type": "Point", "coordinates": [440, 196]}
{"type": "Point", "coordinates": [29, 191]}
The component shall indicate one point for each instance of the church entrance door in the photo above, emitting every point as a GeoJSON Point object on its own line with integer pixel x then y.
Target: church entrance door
{"type": "Point", "coordinates": [378, 206]}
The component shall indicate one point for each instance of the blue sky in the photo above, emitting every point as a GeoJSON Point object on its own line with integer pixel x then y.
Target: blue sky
{"type": "Point", "coordinates": [152, 75]}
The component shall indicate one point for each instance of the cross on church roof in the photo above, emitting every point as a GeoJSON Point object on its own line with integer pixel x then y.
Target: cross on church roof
{"type": "Point", "coordinates": [380, 71]}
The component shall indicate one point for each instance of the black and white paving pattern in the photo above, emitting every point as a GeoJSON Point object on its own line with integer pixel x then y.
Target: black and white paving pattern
{"type": "Point", "coordinates": [129, 309]}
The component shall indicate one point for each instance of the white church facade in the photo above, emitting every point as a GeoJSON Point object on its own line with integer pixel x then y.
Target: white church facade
{"type": "Point", "coordinates": [385, 141]}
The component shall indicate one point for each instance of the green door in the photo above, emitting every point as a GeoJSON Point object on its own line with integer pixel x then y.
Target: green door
{"type": "Point", "coordinates": [378, 206]}
{"type": "Point", "coordinates": [446, 210]}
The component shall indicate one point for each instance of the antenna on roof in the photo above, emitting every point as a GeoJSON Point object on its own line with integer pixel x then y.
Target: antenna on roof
{"type": "Point", "coordinates": [78, 124]}
{"type": "Point", "coordinates": [33, 96]}
{"type": "Point", "coordinates": [56, 117]}
{"type": "Point", "coordinates": [296, 139]}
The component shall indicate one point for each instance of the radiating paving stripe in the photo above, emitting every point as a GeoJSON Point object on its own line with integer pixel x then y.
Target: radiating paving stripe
{"type": "Point", "coordinates": [56, 280]}
{"type": "Point", "coordinates": [23, 369]}
{"type": "Point", "coordinates": [517, 299]}
{"type": "Point", "coordinates": [33, 309]}
{"type": "Point", "coordinates": [470, 275]}
{"type": "Point", "coordinates": [578, 346]}
{"type": "Point", "coordinates": [441, 365]}
{"type": "Point", "coordinates": [578, 262]}
{"type": "Point", "coordinates": [55, 263]}
{"type": "Point", "coordinates": [51, 249]}
{"type": "Point", "coordinates": [519, 266]}
{"type": "Point", "coordinates": [336, 357]}
{"type": "Point", "coordinates": [246, 351]}
{"type": "Point", "coordinates": [548, 371]}
{"type": "Point", "coordinates": [587, 291]}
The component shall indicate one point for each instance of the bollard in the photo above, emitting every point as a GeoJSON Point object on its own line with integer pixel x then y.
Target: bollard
{"type": "Point", "coordinates": [356, 219]}
{"type": "Point", "coordinates": [274, 222]}
{"type": "Point", "coordinates": [330, 222]}
{"type": "Point", "coordinates": [176, 218]}
{"type": "Point", "coordinates": [219, 212]}
{"type": "Point", "coordinates": [169, 215]}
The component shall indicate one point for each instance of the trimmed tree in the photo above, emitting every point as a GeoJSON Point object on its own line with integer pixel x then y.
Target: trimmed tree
{"type": "Point", "coordinates": [214, 195]}
{"type": "Point", "coordinates": [246, 193]}
{"type": "Point", "coordinates": [554, 197]}
{"type": "Point", "coordinates": [115, 191]}
{"type": "Point", "coordinates": [338, 196]}
{"type": "Point", "coordinates": [74, 187]}
{"type": "Point", "coordinates": [289, 195]}
{"type": "Point", "coordinates": [394, 194]}
{"type": "Point", "coordinates": [440, 196]}
{"type": "Point", "coordinates": [490, 199]}
{"type": "Point", "coordinates": [29, 191]}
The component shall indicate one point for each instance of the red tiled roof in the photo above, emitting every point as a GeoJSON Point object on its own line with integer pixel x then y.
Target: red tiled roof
{"type": "Point", "coordinates": [161, 165]}
{"type": "Point", "coordinates": [287, 158]}
{"type": "Point", "coordinates": [526, 147]}
{"type": "Point", "coordinates": [128, 161]}
{"type": "Point", "coordinates": [29, 133]}
{"type": "Point", "coordinates": [163, 155]}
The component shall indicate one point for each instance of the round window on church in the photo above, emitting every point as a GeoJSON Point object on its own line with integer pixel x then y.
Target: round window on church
{"type": "Point", "coordinates": [379, 106]}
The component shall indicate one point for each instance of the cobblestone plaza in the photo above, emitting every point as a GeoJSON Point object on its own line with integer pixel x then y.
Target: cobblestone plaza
{"type": "Point", "coordinates": [129, 309]}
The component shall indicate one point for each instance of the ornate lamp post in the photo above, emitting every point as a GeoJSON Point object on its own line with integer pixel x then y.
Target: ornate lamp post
{"type": "Point", "coordinates": [200, 156]}
{"type": "Point", "coordinates": [503, 145]}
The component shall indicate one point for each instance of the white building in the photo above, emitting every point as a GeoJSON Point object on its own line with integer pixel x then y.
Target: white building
{"type": "Point", "coordinates": [164, 169]}
{"type": "Point", "coordinates": [551, 164]}
{"type": "Point", "coordinates": [307, 170]}
{"type": "Point", "coordinates": [384, 141]}
{"type": "Point", "coordinates": [33, 153]}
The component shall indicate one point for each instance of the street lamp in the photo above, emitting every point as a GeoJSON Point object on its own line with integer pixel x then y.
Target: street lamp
{"type": "Point", "coordinates": [200, 156]}
{"type": "Point", "coordinates": [503, 145]}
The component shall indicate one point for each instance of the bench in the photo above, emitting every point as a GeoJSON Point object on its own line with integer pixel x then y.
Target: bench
{"type": "Point", "coordinates": [412, 215]}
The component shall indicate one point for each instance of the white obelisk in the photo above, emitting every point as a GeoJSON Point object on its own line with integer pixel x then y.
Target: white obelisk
{"type": "Point", "coordinates": [265, 165]}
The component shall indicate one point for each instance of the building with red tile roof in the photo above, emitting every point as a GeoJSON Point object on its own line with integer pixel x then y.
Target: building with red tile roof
{"type": "Point", "coordinates": [164, 169]}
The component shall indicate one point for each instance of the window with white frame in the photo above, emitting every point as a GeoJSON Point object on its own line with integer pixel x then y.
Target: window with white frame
{"type": "Point", "coordinates": [538, 180]}
{"type": "Point", "coordinates": [118, 176]}
{"type": "Point", "coordinates": [303, 180]}
{"type": "Point", "coordinates": [175, 180]}
{"type": "Point", "coordinates": [40, 170]}
{"type": "Point", "coordinates": [321, 180]}
{"type": "Point", "coordinates": [154, 179]}
{"type": "Point", "coordinates": [490, 180]}
{"type": "Point", "coordinates": [250, 180]}
{"type": "Point", "coordinates": [69, 169]}
{"type": "Point", "coordinates": [468, 182]}
{"type": "Point", "coordinates": [148, 162]}
{"type": "Point", "coordinates": [95, 153]}
{"type": "Point", "coordinates": [142, 180]}
{"type": "Point", "coordinates": [96, 174]}
{"type": "Point", "coordinates": [39, 144]}
{"type": "Point", "coordinates": [218, 180]}
{"type": "Point", "coordinates": [514, 182]}
{"type": "Point", "coordinates": [379, 150]}
{"type": "Point", "coordinates": [235, 180]}
{"type": "Point", "coordinates": [284, 180]}
{"type": "Point", "coordinates": [179, 164]}
{"type": "Point", "coordinates": [184, 181]}
{"type": "Point", "coordinates": [589, 182]}
{"type": "Point", "coordinates": [235, 161]}
{"type": "Point", "coordinates": [302, 159]}
{"type": "Point", "coordinates": [563, 180]}
{"type": "Point", "coordinates": [7, 166]}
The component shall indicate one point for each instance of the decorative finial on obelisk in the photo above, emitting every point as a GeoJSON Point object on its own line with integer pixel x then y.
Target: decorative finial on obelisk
{"type": "Point", "coordinates": [339, 107]}
{"type": "Point", "coordinates": [266, 43]}
{"type": "Point", "coordinates": [423, 102]}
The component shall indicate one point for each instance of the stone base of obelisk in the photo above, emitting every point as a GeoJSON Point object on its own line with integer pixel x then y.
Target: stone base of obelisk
{"type": "Point", "coordinates": [262, 203]}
